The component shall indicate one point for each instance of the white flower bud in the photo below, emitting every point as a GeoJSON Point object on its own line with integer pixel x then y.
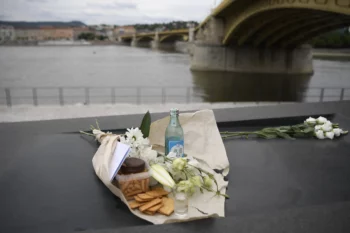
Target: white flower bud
{"type": "Point", "coordinates": [196, 181]}
{"type": "Point", "coordinates": [179, 164]}
{"type": "Point", "coordinates": [317, 127]}
{"type": "Point", "coordinates": [319, 134]}
{"type": "Point", "coordinates": [327, 127]}
{"type": "Point", "coordinates": [337, 132]}
{"type": "Point", "coordinates": [310, 121]}
{"type": "Point", "coordinates": [321, 120]}
{"type": "Point", "coordinates": [330, 135]}
{"type": "Point", "coordinates": [207, 182]}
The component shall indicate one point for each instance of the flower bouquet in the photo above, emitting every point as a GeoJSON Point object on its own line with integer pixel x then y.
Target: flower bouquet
{"type": "Point", "coordinates": [190, 183]}
{"type": "Point", "coordinates": [320, 128]}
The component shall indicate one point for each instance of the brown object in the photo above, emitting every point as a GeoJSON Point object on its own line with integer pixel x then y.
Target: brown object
{"type": "Point", "coordinates": [150, 204]}
{"type": "Point", "coordinates": [141, 200]}
{"type": "Point", "coordinates": [132, 166]}
{"type": "Point", "coordinates": [155, 208]}
{"type": "Point", "coordinates": [134, 204]}
{"type": "Point", "coordinates": [157, 193]}
{"type": "Point", "coordinates": [145, 197]}
{"type": "Point", "coordinates": [168, 206]}
{"type": "Point", "coordinates": [133, 193]}
{"type": "Point", "coordinates": [133, 187]}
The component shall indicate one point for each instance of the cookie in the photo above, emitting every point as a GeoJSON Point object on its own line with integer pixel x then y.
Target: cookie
{"type": "Point", "coordinates": [168, 206]}
{"type": "Point", "coordinates": [134, 204]}
{"type": "Point", "coordinates": [157, 193]}
{"type": "Point", "coordinates": [145, 197]}
{"type": "Point", "coordinates": [150, 204]}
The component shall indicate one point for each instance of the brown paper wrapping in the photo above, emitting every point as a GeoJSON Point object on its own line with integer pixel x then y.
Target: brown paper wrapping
{"type": "Point", "coordinates": [202, 141]}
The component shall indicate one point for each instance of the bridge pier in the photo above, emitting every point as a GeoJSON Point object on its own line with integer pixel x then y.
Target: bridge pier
{"type": "Point", "coordinates": [219, 58]}
{"type": "Point", "coordinates": [208, 54]}
{"type": "Point", "coordinates": [143, 44]}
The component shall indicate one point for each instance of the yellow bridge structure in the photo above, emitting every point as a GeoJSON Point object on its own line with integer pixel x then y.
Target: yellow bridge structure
{"type": "Point", "coordinates": [257, 35]}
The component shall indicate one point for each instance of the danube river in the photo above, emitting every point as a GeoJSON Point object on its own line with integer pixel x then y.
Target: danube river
{"type": "Point", "coordinates": [115, 74]}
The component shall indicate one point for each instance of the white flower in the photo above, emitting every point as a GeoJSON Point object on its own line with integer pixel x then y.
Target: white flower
{"type": "Point", "coordinates": [134, 134]}
{"type": "Point", "coordinates": [310, 121]}
{"type": "Point", "coordinates": [148, 154]}
{"type": "Point", "coordinates": [207, 182]}
{"type": "Point", "coordinates": [317, 127]}
{"type": "Point", "coordinates": [328, 123]}
{"type": "Point", "coordinates": [179, 164]}
{"type": "Point", "coordinates": [327, 127]}
{"type": "Point", "coordinates": [337, 132]}
{"type": "Point", "coordinates": [319, 134]}
{"type": "Point", "coordinates": [330, 135]}
{"type": "Point", "coordinates": [321, 120]}
{"type": "Point", "coordinates": [196, 181]}
{"type": "Point", "coordinates": [160, 160]}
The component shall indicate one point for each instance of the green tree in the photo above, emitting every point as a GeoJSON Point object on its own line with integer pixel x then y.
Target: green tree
{"type": "Point", "coordinates": [87, 36]}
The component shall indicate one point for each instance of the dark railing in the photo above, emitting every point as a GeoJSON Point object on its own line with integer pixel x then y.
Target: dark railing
{"type": "Point", "coordinates": [138, 95]}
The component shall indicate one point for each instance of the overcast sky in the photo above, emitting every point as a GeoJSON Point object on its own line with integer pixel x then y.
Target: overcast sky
{"type": "Point", "coordinates": [105, 11]}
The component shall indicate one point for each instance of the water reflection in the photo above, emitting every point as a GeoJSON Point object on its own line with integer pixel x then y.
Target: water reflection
{"type": "Point", "coordinates": [242, 87]}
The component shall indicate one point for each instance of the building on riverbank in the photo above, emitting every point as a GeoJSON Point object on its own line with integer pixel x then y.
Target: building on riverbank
{"type": "Point", "coordinates": [124, 30]}
{"type": "Point", "coordinates": [7, 33]}
{"type": "Point", "coordinates": [44, 33]}
{"type": "Point", "coordinates": [80, 30]}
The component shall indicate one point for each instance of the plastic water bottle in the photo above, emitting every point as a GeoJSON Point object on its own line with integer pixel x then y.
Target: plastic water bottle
{"type": "Point", "coordinates": [174, 135]}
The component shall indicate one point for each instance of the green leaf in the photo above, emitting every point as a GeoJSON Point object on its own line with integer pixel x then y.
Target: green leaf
{"type": "Point", "coordinates": [146, 124]}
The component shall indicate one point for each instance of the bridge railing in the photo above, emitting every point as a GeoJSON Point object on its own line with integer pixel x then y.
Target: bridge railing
{"type": "Point", "coordinates": [37, 96]}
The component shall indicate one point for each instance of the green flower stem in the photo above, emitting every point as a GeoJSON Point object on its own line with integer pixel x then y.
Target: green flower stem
{"type": "Point", "coordinates": [89, 134]}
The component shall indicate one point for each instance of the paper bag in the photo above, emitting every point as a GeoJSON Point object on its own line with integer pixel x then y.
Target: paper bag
{"type": "Point", "coordinates": [202, 141]}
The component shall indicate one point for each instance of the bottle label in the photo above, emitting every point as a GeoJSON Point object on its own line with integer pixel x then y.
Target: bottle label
{"type": "Point", "coordinates": [177, 147]}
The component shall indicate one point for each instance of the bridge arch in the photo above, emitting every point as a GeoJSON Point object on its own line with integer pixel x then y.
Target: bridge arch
{"type": "Point", "coordinates": [144, 38]}
{"type": "Point", "coordinates": [270, 23]}
{"type": "Point", "coordinates": [173, 38]}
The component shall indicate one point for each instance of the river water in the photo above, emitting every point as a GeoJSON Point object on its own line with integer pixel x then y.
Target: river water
{"type": "Point", "coordinates": [105, 74]}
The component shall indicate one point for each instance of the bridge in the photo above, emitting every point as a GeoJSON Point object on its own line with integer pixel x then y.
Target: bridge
{"type": "Point", "coordinates": [161, 39]}
{"type": "Point", "coordinates": [267, 36]}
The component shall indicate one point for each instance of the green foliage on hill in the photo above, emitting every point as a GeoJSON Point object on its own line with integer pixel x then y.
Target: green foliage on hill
{"type": "Point", "coordinates": [166, 26]}
{"type": "Point", "coordinates": [87, 36]}
{"type": "Point", "coordinates": [91, 36]}
{"type": "Point", "coordinates": [336, 39]}
{"type": "Point", "coordinates": [24, 24]}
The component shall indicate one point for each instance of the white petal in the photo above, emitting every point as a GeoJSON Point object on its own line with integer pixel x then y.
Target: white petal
{"type": "Point", "coordinates": [327, 128]}
{"type": "Point", "coordinates": [311, 120]}
{"type": "Point", "coordinates": [317, 127]}
{"type": "Point", "coordinates": [337, 132]}
{"type": "Point", "coordinates": [319, 134]}
{"type": "Point", "coordinates": [321, 120]}
{"type": "Point", "coordinates": [330, 135]}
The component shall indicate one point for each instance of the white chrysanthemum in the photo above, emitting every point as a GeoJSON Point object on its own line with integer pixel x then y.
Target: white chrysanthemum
{"type": "Point", "coordinates": [320, 134]}
{"type": "Point", "coordinates": [148, 154]}
{"type": "Point", "coordinates": [134, 134]}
